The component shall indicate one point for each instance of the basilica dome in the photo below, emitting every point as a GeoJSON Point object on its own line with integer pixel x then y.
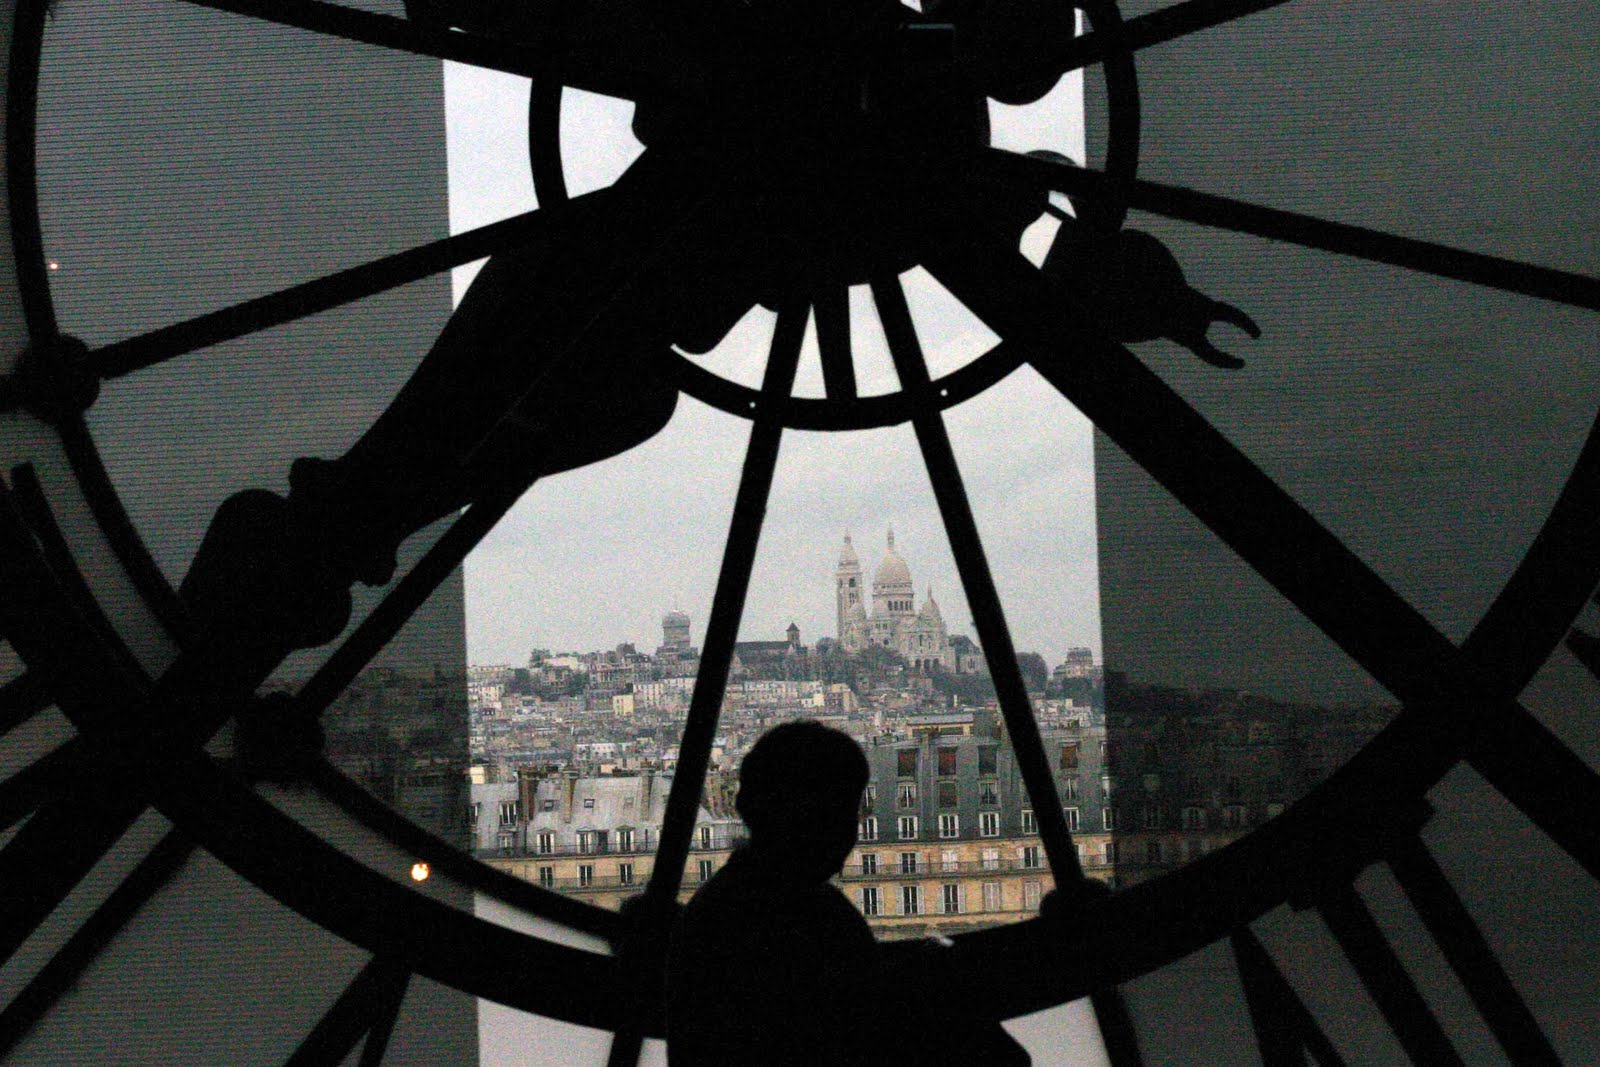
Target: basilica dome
{"type": "Point", "coordinates": [892, 570]}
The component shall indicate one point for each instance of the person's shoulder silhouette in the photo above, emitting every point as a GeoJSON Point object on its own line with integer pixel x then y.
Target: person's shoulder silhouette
{"type": "Point", "coordinates": [770, 964]}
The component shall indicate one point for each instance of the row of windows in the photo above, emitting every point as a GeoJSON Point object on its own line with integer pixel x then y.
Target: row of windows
{"type": "Point", "coordinates": [1027, 857]}
{"type": "Point", "coordinates": [952, 898]}
{"type": "Point", "coordinates": [704, 869]}
{"type": "Point", "coordinates": [1151, 817]}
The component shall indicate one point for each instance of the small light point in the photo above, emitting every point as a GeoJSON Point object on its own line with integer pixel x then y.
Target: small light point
{"type": "Point", "coordinates": [55, 265]}
{"type": "Point", "coordinates": [420, 871]}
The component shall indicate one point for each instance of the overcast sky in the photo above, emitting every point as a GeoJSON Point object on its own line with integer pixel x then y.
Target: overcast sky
{"type": "Point", "coordinates": [594, 557]}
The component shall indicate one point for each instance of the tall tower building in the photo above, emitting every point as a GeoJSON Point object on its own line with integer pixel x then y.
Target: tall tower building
{"type": "Point", "coordinates": [847, 588]}
{"type": "Point", "coordinates": [675, 630]}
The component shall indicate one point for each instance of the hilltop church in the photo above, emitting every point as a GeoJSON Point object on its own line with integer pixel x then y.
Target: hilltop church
{"type": "Point", "coordinates": [894, 621]}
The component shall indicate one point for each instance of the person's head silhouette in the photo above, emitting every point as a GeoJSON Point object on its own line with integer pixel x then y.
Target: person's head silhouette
{"type": "Point", "coordinates": [800, 795]}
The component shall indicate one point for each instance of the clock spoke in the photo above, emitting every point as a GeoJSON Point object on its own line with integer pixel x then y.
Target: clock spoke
{"type": "Point", "coordinates": [598, 54]}
{"type": "Point", "coordinates": [61, 973]}
{"type": "Point", "coordinates": [1294, 552]}
{"type": "Point", "coordinates": [367, 1008]}
{"type": "Point", "coordinates": [1360, 242]}
{"type": "Point", "coordinates": [722, 631]}
{"type": "Point", "coordinates": [727, 608]}
{"type": "Point", "coordinates": [1469, 955]}
{"type": "Point", "coordinates": [832, 310]}
{"type": "Point", "coordinates": [22, 698]}
{"type": "Point", "coordinates": [56, 847]}
{"type": "Point", "coordinates": [1285, 1028]}
{"type": "Point", "coordinates": [994, 635]}
{"type": "Point", "coordinates": [1158, 27]}
{"type": "Point", "coordinates": [309, 298]}
{"type": "Point", "coordinates": [36, 783]}
{"type": "Point", "coordinates": [1212, 478]}
{"type": "Point", "coordinates": [1385, 978]}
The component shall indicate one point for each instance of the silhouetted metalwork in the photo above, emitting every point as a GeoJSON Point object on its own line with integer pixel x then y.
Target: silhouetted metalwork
{"type": "Point", "coordinates": [1285, 1029]}
{"type": "Point", "coordinates": [22, 698]}
{"type": "Point", "coordinates": [63, 970]}
{"type": "Point", "coordinates": [1470, 956]}
{"type": "Point", "coordinates": [365, 1010]}
{"type": "Point", "coordinates": [1385, 977]}
{"type": "Point", "coordinates": [770, 178]}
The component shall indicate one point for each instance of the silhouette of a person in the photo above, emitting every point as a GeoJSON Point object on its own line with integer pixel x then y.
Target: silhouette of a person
{"type": "Point", "coordinates": [770, 964]}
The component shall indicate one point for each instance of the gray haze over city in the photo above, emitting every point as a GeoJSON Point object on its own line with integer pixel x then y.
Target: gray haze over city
{"type": "Point", "coordinates": [594, 557]}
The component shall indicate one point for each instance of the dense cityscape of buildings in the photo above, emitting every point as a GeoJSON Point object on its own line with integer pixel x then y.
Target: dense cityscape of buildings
{"type": "Point", "coordinates": [573, 755]}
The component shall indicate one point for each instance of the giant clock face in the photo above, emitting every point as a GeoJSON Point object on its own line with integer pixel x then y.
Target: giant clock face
{"type": "Point", "coordinates": [789, 155]}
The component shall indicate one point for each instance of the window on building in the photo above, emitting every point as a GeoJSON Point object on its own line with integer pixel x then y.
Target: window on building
{"type": "Point", "coordinates": [586, 840]}
{"type": "Point", "coordinates": [908, 827]}
{"type": "Point", "coordinates": [869, 863]}
{"type": "Point", "coordinates": [507, 839]}
{"type": "Point", "coordinates": [1069, 756]}
{"type": "Point", "coordinates": [947, 795]}
{"type": "Point", "coordinates": [1069, 789]}
{"type": "Point", "coordinates": [869, 828]}
{"type": "Point", "coordinates": [951, 899]}
{"type": "Point", "coordinates": [1107, 784]}
{"type": "Point", "coordinates": [911, 900]}
{"type": "Point", "coordinates": [1032, 893]}
{"type": "Point", "coordinates": [908, 862]}
{"type": "Point", "coordinates": [991, 859]}
{"type": "Point", "coordinates": [1274, 810]}
{"type": "Point", "coordinates": [949, 860]}
{"type": "Point", "coordinates": [547, 804]}
{"type": "Point", "coordinates": [1153, 852]}
{"type": "Point", "coordinates": [508, 812]}
{"type": "Point", "coordinates": [547, 877]}
{"type": "Point", "coordinates": [1150, 817]}
{"type": "Point", "coordinates": [1235, 815]}
{"type": "Point", "coordinates": [624, 840]}
{"type": "Point", "coordinates": [703, 870]}
{"type": "Point", "coordinates": [988, 760]}
{"type": "Point", "coordinates": [1029, 825]}
{"type": "Point", "coordinates": [1029, 855]}
{"type": "Point", "coordinates": [1108, 818]}
{"type": "Point", "coordinates": [869, 797]}
{"type": "Point", "coordinates": [1108, 852]}
{"type": "Point", "coordinates": [988, 824]}
{"type": "Point", "coordinates": [473, 811]}
{"type": "Point", "coordinates": [871, 901]}
{"type": "Point", "coordinates": [949, 826]}
{"type": "Point", "coordinates": [588, 803]}
{"type": "Point", "coordinates": [624, 874]}
{"type": "Point", "coordinates": [1194, 818]}
{"type": "Point", "coordinates": [1072, 818]}
{"type": "Point", "coordinates": [585, 875]}
{"type": "Point", "coordinates": [947, 762]}
{"type": "Point", "coordinates": [1108, 750]}
{"type": "Point", "coordinates": [545, 843]}
{"type": "Point", "coordinates": [991, 896]}
{"type": "Point", "coordinates": [907, 762]}
{"type": "Point", "coordinates": [906, 795]}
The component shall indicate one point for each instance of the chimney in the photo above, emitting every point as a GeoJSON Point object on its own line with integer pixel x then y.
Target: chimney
{"type": "Point", "coordinates": [647, 785]}
{"type": "Point", "coordinates": [569, 793]}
